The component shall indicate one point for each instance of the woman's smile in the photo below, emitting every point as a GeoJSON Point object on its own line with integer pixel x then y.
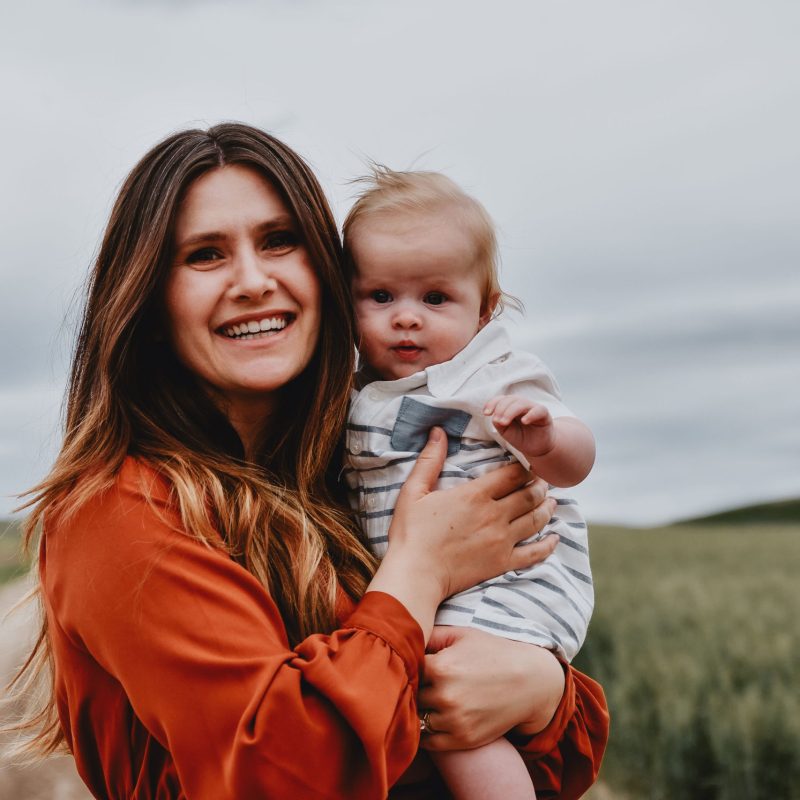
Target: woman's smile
{"type": "Point", "coordinates": [256, 327]}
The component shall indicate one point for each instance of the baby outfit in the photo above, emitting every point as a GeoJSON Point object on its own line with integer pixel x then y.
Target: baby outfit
{"type": "Point", "coordinates": [548, 604]}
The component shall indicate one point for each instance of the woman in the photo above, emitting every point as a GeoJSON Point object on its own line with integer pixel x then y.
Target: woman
{"type": "Point", "coordinates": [200, 579]}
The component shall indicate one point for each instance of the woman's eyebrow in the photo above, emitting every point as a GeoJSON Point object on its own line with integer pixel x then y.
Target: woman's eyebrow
{"type": "Point", "coordinates": [199, 238]}
{"type": "Point", "coordinates": [281, 221]}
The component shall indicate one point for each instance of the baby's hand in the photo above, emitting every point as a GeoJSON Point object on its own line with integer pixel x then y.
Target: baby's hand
{"type": "Point", "coordinates": [525, 425]}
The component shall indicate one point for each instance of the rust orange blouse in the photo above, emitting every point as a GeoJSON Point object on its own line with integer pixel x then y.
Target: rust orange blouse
{"type": "Point", "coordinates": [174, 678]}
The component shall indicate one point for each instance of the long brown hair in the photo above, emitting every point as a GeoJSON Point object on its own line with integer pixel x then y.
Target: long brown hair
{"type": "Point", "coordinates": [129, 395]}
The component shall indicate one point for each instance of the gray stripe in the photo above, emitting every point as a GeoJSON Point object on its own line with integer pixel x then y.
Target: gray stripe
{"type": "Point", "coordinates": [402, 460]}
{"type": "Point", "coordinates": [558, 590]}
{"type": "Point", "coordinates": [536, 601]}
{"type": "Point", "coordinates": [453, 607]}
{"type": "Point", "coordinates": [489, 623]}
{"type": "Point", "coordinates": [578, 591]}
{"type": "Point", "coordinates": [578, 525]}
{"type": "Point", "coordinates": [454, 473]}
{"type": "Point", "coordinates": [368, 428]}
{"type": "Point", "coordinates": [572, 543]}
{"type": "Point", "coordinates": [566, 501]}
{"type": "Point", "coordinates": [378, 539]}
{"type": "Point", "coordinates": [377, 489]}
{"type": "Point", "coordinates": [579, 575]}
{"type": "Point", "coordinates": [510, 611]}
{"type": "Point", "coordinates": [481, 446]}
{"type": "Point", "coordinates": [376, 514]}
{"type": "Point", "coordinates": [495, 460]}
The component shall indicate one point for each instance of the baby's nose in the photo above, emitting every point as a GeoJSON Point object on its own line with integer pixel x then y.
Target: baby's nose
{"type": "Point", "coordinates": [407, 318]}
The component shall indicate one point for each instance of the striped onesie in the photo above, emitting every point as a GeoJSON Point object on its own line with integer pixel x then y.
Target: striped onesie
{"type": "Point", "coordinates": [548, 604]}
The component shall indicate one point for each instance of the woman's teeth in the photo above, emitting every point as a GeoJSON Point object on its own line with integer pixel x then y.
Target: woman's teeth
{"type": "Point", "coordinates": [253, 328]}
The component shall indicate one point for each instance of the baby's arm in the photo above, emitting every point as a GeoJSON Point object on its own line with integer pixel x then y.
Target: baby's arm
{"type": "Point", "coordinates": [559, 450]}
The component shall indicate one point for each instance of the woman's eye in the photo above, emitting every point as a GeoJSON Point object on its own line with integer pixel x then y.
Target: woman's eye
{"type": "Point", "coordinates": [281, 240]}
{"type": "Point", "coordinates": [203, 256]}
{"type": "Point", "coordinates": [381, 296]}
{"type": "Point", "coordinates": [434, 298]}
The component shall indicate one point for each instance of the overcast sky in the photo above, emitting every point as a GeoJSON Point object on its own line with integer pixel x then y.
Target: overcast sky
{"type": "Point", "coordinates": [640, 159]}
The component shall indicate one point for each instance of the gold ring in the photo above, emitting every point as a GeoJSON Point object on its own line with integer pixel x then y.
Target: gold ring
{"type": "Point", "coordinates": [425, 723]}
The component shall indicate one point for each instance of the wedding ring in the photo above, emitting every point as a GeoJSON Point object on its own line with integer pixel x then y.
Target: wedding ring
{"type": "Point", "coordinates": [425, 723]}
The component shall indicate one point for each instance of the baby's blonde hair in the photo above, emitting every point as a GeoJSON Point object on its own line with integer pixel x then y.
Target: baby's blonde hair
{"type": "Point", "coordinates": [387, 191]}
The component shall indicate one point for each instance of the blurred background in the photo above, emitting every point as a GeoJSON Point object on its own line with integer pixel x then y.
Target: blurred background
{"type": "Point", "coordinates": [641, 162]}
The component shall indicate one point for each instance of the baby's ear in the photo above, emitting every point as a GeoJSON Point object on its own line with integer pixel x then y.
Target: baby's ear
{"type": "Point", "coordinates": [487, 310]}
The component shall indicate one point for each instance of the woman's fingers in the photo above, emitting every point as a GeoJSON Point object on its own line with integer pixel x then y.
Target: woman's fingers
{"type": "Point", "coordinates": [501, 482]}
{"type": "Point", "coordinates": [526, 555]}
{"type": "Point", "coordinates": [425, 473]}
{"type": "Point", "coordinates": [525, 500]}
{"type": "Point", "coordinates": [530, 523]}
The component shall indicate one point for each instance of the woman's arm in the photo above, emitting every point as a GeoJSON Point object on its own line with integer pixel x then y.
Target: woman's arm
{"type": "Point", "coordinates": [147, 621]}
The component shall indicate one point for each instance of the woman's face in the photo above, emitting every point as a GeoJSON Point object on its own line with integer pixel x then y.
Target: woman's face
{"type": "Point", "coordinates": [242, 299]}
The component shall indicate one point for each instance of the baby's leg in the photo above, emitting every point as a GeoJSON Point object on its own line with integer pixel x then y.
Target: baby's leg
{"type": "Point", "coordinates": [495, 770]}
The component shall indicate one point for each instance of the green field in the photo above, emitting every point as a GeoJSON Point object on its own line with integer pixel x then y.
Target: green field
{"type": "Point", "coordinates": [11, 563]}
{"type": "Point", "coordinates": [696, 640]}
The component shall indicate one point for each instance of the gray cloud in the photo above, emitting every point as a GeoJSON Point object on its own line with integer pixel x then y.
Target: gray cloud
{"type": "Point", "coordinates": [640, 160]}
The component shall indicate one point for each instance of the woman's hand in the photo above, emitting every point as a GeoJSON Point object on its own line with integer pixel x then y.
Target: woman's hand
{"type": "Point", "coordinates": [441, 542]}
{"type": "Point", "coordinates": [478, 686]}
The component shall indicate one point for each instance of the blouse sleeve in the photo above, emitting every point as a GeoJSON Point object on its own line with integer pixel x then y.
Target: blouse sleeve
{"type": "Point", "coordinates": [564, 758]}
{"type": "Point", "coordinates": [200, 651]}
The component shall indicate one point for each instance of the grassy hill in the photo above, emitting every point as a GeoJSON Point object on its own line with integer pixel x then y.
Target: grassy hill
{"type": "Point", "coordinates": [780, 512]}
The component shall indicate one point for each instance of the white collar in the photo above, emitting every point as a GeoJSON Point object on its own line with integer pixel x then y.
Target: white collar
{"type": "Point", "coordinates": [489, 343]}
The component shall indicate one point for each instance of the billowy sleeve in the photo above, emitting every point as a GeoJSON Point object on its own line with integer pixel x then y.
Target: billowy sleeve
{"type": "Point", "coordinates": [200, 651]}
{"type": "Point", "coordinates": [564, 758]}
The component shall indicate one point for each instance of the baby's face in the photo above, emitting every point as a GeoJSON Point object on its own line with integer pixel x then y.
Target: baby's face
{"type": "Point", "coordinates": [417, 293]}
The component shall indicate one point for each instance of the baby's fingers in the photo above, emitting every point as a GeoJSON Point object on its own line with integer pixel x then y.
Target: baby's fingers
{"type": "Point", "coordinates": [536, 415]}
{"type": "Point", "coordinates": [490, 406]}
{"type": "Point", "coordinates": [508, 408]}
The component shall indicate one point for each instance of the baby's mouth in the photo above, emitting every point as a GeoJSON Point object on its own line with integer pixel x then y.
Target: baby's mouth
{"type": "Point", "coordinates": [407, 350]}
{"type": "Point", "coordinates": [258, 328]}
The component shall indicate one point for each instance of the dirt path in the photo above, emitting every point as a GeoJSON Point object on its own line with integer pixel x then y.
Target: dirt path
{"type": "Point", "coordinates": [55, 778]}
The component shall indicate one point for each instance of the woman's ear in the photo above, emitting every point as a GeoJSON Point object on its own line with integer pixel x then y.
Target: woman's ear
{"type": "Point", "coordinates": [488, 308]}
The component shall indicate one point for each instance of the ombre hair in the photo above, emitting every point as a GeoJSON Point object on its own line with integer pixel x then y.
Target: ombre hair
{"type": "Point", "coordinates": [280, 515]}
{"type": "Point", "coordinates": [387, 192]}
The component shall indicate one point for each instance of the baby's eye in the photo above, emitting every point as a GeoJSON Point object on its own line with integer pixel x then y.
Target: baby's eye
{"type": "Point", "coordinates": [281, 240]}
{"type": "Point", "coordinates": [203, 256]}
{"type": "Point", "coordinates": [381, 296]}
{"type": "Point", "coordinates": [434, 298]}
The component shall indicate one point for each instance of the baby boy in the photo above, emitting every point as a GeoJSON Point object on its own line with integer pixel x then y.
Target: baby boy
{"type": "Point", "coordinates": [423, 258]}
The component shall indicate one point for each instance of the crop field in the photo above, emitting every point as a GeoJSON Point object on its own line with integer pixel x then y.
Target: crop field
{"type": "Point", "coordinates": [11, 565]}
{"type": "Point", "coordinates": [696, 641]}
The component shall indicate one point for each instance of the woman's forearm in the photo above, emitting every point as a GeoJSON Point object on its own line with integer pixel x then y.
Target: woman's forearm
{"type": "Point", "coordinates": [412, 585]}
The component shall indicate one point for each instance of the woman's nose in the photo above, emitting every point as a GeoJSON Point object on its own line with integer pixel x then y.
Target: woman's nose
{"type": "Point", "coordinates": [252, 277]}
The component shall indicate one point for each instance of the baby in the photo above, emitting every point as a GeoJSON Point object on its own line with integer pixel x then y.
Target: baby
{"type": "Point", "coordinates": [423, 258]}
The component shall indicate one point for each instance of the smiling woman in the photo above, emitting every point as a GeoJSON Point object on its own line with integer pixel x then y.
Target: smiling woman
{"type": "Point", "coordinates": [242, 300]}
{"type": "Point", "coordinates": [213, 621]}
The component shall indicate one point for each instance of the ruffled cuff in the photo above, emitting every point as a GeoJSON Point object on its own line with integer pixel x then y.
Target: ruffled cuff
{"type": "Point", "coordinates": [386, 617]}
{"type": "Point", "coordinates": [564, 758]}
